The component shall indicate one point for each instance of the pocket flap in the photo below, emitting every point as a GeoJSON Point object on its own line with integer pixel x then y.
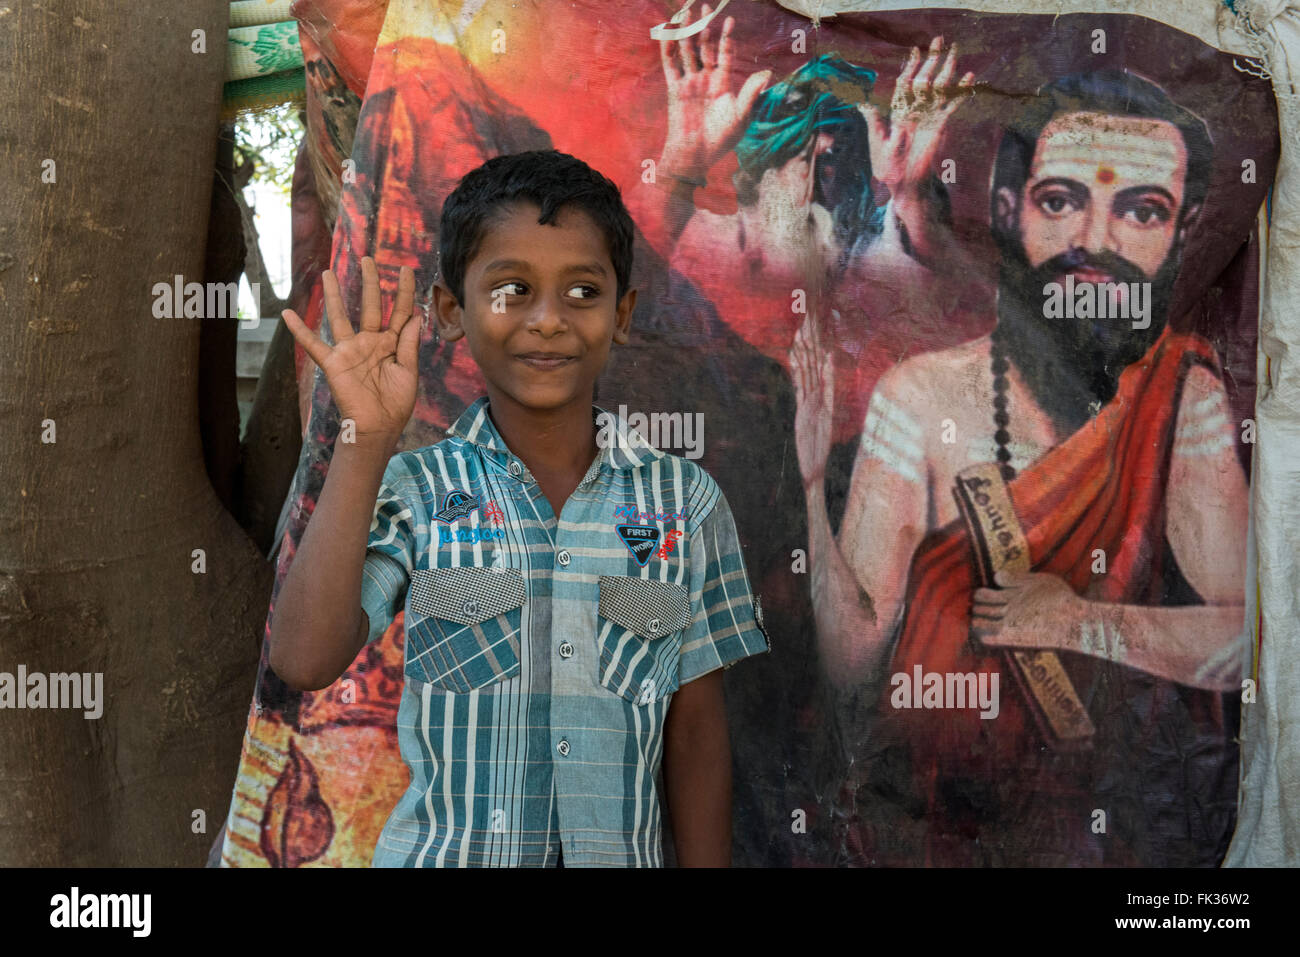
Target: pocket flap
{"type": "Point", "coordinates": [649, 608]}
{"type": "Point", "coordinates": [466, 595]}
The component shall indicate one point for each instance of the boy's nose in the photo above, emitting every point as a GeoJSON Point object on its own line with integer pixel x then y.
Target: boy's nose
{"type": "Point", "coordinates": [547, 317]}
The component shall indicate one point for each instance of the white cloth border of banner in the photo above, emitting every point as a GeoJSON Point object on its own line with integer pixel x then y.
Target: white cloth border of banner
{"type": "Point", "coordinates": [1267, 834]}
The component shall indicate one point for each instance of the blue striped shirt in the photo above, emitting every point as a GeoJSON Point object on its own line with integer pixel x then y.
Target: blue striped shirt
{"type": "Point", "coordinates": [541, 654]}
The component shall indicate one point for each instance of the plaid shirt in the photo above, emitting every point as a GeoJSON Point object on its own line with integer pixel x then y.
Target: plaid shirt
{"type": "Point", "coordinates": [541, 654]}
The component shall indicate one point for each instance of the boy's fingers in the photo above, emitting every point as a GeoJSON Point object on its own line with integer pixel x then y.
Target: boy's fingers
{"type": "Point", "coordinates": [371, 317]}
{"type": "Point", "coordinates": [408, 345]}
{"type": "Point", "coordinates": [340, 328]}
{"type": "Point", "coordinates": [311, 343]}
{"type": "Point", "coordinates": [405, 301]}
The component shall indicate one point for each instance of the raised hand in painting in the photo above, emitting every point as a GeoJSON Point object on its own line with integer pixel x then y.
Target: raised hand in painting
{"type": "Point", "coordinates": [372, 373]}
{"type": "Point", "coordinates": [903, 150]}
{"type": "Point", "coordinates": [813, 370]}
{"type": "Point", "coordinates": [705, 118]}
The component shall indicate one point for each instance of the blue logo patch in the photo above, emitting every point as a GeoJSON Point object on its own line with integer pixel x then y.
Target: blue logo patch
{"type": "Point", "coordinates": [640, 540]}
{"type": "Point", "coordinates": [456, 505]}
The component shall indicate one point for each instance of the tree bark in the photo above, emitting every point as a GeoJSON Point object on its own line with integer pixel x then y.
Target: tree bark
{"type": "Point", "coordinates": [218, 342]}
{"type": "Point", "coordinates": [98, 529]}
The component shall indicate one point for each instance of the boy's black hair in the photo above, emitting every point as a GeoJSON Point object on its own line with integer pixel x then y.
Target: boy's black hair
{"type": "Point", "coordinates": [550, 179]}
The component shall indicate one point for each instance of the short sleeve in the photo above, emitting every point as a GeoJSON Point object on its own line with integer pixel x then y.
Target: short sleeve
{"type": "Point", "coordinates": [726, 625]}
{"type": "Point", "coordinates": [390, 550]}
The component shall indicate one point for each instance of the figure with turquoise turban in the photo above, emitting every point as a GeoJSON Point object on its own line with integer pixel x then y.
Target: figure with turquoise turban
{"type": "Point", "coordinates": [825, 186]}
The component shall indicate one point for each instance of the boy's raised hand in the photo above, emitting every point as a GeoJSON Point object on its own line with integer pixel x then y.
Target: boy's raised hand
{"type": "Point", "coordinates": [372, 373]}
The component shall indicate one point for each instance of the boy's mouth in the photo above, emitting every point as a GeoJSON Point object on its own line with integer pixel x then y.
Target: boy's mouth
{"type": "Point", "coordinates": [545, 360]}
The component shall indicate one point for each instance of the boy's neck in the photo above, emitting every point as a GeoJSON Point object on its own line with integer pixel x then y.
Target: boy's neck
{"type": "Point", "coordinates": [549, 441]}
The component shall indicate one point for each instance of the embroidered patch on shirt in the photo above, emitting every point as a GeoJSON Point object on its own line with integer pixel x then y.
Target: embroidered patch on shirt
{"type": "Point", "coordinates": [640, 540]}
{"type": "Point", "coordinates": [456, 504]}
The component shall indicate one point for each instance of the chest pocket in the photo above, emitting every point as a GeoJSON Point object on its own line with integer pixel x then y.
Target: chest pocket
{"type": "Point", "coordinates": [462, 626]}
{"type": "Point", "coordinates": [640, 635]}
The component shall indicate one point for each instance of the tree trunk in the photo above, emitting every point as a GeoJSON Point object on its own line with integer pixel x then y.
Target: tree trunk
{"type": "Point", "coordinates": [99, 528]}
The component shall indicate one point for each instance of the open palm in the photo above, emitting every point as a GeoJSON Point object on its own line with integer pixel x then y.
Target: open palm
{"type": "Point", "coordinates": [704, 116]}
{"type": "Point", "coordinates": [813, 370]}
{"type": "Point", "coordinates": [372, 372]}
{"type": "Point", "coordinates": [903, 151]}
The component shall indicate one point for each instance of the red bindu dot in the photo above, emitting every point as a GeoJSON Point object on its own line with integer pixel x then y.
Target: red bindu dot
{"type": "Point", "coordinates": [1105, 174]}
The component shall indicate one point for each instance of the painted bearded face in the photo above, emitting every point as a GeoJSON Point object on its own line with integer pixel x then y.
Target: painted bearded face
{"type": "Point", "coordinates": [1108, 185]}
{"type": "Point", "coordinates": [1103, 196]}
{"type": "Point", "coordinates": [1103, 203]}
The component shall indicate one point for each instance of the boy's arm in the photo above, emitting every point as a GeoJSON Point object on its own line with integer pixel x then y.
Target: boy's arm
{"type": "Point", "coordinates": [725, 628]}
{"type": "Point", "coordinates": [318, 627]}
{"type": "Point", "coordinates": [697, 773]}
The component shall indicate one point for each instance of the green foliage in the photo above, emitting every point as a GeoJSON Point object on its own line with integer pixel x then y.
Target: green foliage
{"type": "Point", "coordinates": [269, 140]}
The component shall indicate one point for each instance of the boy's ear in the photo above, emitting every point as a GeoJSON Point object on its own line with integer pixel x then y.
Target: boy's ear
{"type": "Point", "coordinates": [447, 312]}
{"type": "Point", "coordinates": [623, 317]}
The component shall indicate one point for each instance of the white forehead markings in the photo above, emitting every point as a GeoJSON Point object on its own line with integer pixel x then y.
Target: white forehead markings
{"type": "Point", "coordinates": [1095, 154]}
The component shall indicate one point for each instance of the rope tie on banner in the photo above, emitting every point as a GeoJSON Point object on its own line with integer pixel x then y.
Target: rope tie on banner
{"type": "Point", "coordinates": [663, 31]}
{"type": "Point", "coordinates": [1250, 22]}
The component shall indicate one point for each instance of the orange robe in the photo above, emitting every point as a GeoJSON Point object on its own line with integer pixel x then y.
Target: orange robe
{"type": "Point", "coordinates": [1162, 766]}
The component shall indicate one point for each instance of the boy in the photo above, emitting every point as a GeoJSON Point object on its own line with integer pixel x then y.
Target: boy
{"type": "Point", "coordinates": [550, 616]}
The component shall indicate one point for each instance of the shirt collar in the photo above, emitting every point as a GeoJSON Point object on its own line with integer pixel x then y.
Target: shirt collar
{"type": "Point", "coordinates": [622, 446]}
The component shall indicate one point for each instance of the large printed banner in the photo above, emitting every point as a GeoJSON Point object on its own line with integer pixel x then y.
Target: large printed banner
{"type": "Point", "coordinates": [960, 310]}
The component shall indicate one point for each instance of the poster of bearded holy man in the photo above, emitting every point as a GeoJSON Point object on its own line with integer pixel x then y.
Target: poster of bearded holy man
{"type": "Point", "coordinates": [961, 311]}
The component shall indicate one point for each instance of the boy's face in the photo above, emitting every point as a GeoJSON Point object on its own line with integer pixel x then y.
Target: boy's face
{"type": "Point", "coordinates": [540, 308]}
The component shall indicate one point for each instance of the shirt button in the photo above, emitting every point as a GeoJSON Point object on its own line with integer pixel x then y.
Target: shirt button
{"type": "Point", "coordinates": [566, 650]}
{"type": "Point", "coordinates": [516, 469]}
{"type": "Point", "coordinates": [470, 608]}
{"type": "Point", "coordinates": [652, 626]}
{"type": "Point", "coordinates": [563, 747]}
{"type": "Point", "coordinates": [563, 557]}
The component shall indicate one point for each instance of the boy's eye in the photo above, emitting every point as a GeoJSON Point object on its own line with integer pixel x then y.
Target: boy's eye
{"type": "Point", "coordinates": [588, 291]}
{"type": "Point", "coordinates": [511, 288]}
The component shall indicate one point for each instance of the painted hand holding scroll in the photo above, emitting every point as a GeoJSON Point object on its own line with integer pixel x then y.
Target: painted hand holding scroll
{"type": "Point", "coordinates": [1034, 610]}
{"type": "Point", "coordinates": [1025, 615]}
